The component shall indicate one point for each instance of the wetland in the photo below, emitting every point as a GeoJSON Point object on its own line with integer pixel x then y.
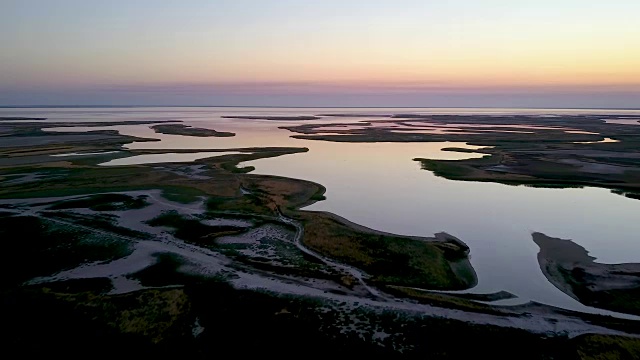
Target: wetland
{"type": "Point", "coordinates": [367, 226]}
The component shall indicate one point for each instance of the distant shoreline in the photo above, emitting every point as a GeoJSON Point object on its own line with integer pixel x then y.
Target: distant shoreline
{"type": "Point", "coordinates": [299, 107]}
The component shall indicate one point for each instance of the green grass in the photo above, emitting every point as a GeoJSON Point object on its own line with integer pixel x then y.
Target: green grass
{"type": "Point", "coordinates": [606, 347]}
{"type": "Point", "coordinates": [182, 195]}
{"type": "Point", "coordinates": [249, 203]}
{"type": "Point", "coordinates": [390, 260]}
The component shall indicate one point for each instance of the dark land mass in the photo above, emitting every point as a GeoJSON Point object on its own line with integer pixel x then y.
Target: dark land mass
{"type": "Point", "coordinates": [77, 318]}
{"type": "Point", "coordinates": [204, 258]}
{"type": "Point", "coordinates": [568, 266]}
{"type": "Point", "coordinates": [23, 144]}
{"type": "Point", "coordinates": [46, 139]}
{"type": "Point", "coordinates": [500, 295]}
{"type": "Point", "coordinates": [30, 125]}
{"type": "Point", "coordinates": [13, 118]}
{"type": "Point", "coordinates": [563, 151]}
{"type": "Point", "coordinates": [355, 115]}
{"type": "Point", "coordinates": [29, 136]}
{"type": "Point", "coordinates": [181, 129]}
{"type": "Point", "coordinates": [444, 265]}
{"type": "Point", "coordinates": [274, 118]}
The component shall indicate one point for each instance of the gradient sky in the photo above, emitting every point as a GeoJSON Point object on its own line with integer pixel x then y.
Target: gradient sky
{"type": "Point", "coordinates": [544, 53]}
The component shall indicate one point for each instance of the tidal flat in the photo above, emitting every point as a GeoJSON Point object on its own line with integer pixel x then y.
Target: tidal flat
{"type": "Point", "coordinates": [200, 254]}
{"type": "Point", "coordinates": [181, 129]}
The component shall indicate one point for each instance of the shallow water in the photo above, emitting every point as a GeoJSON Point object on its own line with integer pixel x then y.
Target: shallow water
{"type": "Point", "coordinates": [379, 185]}
{"type": "Point", "coordinates": [625, 121]}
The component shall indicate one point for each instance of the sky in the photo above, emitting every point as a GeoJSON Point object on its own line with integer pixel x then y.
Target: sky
{"type": "Point", "coordinates": [417, 53]}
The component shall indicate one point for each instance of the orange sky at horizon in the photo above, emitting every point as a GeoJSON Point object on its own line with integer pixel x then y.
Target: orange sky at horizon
{"type": "Point", "coordinates": [285, 45]}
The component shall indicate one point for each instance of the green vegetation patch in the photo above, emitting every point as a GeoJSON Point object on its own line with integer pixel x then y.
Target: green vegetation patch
{"type": "Point", "coordinates": [181, 194]}
{"type": "Point", "coordinates": [252, 203]}
{"type": "Point", "coordinates": [277, 252]}
{"type": "Point", "coordinates": [606, 347]}
{"type": "Point", "coordinates": [389, 259]}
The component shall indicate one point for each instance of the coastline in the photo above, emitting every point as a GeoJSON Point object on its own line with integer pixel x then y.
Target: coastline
{"type": "Point", "coordinates": [258, 198]}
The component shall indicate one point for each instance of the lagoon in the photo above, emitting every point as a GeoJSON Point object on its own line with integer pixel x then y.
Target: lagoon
{"type": "Point", "coordinates": [378, 185]}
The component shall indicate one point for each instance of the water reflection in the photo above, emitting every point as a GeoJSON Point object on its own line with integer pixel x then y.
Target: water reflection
{"type": "Point", "coordinates": [380, 186]}
{"type": "Point", "coordinates": [625, 121]}
{"type": "Point", "coordinates": [391, 193]}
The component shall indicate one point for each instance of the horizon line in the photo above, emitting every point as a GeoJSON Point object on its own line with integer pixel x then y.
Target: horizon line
{"type": "Point", "coordinates": [314, 107]}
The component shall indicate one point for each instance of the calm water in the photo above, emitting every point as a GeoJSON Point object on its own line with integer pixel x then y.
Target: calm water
{"type": "Point", "coordinates": [379, 185]}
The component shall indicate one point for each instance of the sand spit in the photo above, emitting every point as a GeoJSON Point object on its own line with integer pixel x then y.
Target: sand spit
{"type": "Point", "coordinates": [568, 266]}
